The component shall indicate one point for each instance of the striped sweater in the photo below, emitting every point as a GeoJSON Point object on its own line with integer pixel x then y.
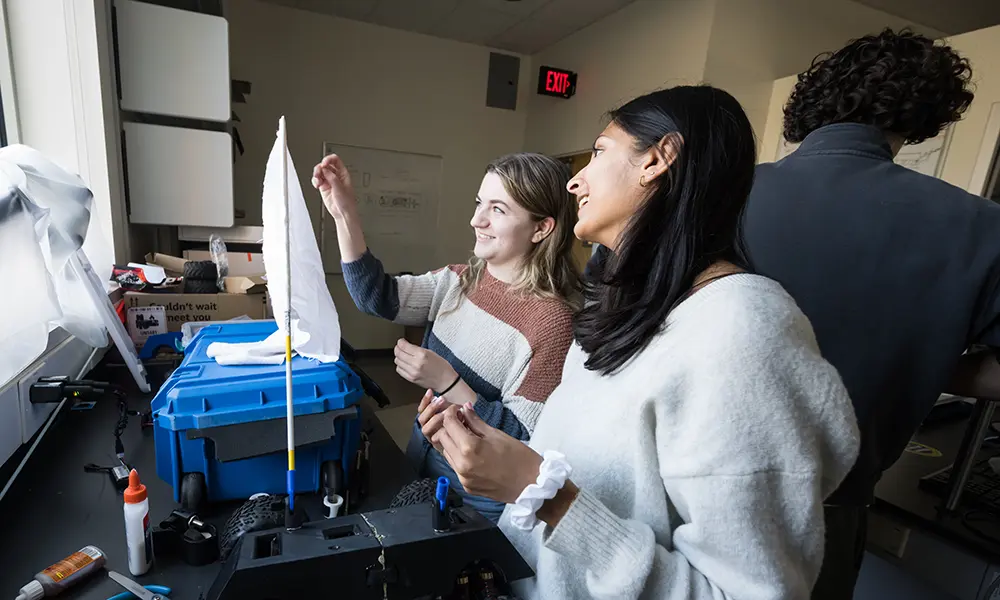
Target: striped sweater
{"type": "Point", "coordinates": [508, 348]}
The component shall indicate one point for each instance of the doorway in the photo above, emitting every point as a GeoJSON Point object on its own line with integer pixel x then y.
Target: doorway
{"type": "Point", "coordinates": [581, 250]}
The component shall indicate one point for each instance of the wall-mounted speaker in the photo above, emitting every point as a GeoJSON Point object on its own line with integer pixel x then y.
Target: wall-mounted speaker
{"type": "Point", "coordinates": [501, 85]}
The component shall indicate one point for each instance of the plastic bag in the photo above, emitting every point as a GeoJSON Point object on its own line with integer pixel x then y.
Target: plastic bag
{"type": "Point", "coordinates": [217, 248]}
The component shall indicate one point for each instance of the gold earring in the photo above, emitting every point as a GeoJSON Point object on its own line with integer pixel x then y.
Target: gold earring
{"type": "Point", "coordinates": [642, 181]}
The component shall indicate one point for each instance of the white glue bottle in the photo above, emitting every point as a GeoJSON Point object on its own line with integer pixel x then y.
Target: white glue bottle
{"type": "Point", "coordinates": [137, 530]}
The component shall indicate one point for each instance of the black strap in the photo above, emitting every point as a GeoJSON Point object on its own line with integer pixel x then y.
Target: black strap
{"type": "Point", "coordinates": [449, 388]}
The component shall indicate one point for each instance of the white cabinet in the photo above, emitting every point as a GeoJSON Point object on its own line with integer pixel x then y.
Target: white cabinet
{"type": "Point", "coordinates": [173, 67]}
{"type": "Point", "coordinates": [179, 176]}
{"type": "Point", "coordinates": [173, 62]}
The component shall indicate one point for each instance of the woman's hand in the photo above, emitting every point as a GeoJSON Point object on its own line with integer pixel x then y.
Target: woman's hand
{"type": "Point", "coordinates": [333, 181]}
{"type": "Point", "coordinates": [423, 367]}
{"type": "Point", "coordinates": [430, 414]}
{"type": "Point", "coordinates": [488, 462]}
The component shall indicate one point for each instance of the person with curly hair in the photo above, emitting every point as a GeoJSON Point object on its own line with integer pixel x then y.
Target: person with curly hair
{"type": "Point", "coordinates": [898, 272]}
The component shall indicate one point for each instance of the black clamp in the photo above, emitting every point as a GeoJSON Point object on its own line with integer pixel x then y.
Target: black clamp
{"type": "Point", "coordinates": [441, 519]}
{"type": "Point", "coordinates": [294, 519]}
{"type": "Point", "coordinates": [185, 535]}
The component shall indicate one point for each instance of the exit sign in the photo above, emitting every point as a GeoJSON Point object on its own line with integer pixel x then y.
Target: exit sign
{"type": "Point", "coordinates": [556, 82]}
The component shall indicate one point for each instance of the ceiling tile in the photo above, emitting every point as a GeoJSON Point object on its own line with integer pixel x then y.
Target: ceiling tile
{"type": "Point", "coordinates": [524, 26]}
{"type": "Point", "coordinates": [413, 15]}
{"type": "Point", "coordinates": [553, 22]}
{"type": "Point", "coordinates": [521, 8]}
{"type": "Point", "coordinates": [349, 9]}
{"type": "Point", "coordinates": [474, 23]}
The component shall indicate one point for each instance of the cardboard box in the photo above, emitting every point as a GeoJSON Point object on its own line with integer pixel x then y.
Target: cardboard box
{"type": "Point", "coordinates": [171, 264]}
{"type": "Point", "coordinates": [240, 263]}
{"type": "Point", "coordinates": [184, 308]}
{"type": "Point", "coordinates": [255, 284]}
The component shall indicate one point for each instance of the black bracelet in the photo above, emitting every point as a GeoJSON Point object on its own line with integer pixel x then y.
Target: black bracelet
{"type": "Point", "coordinates": [449, 388]}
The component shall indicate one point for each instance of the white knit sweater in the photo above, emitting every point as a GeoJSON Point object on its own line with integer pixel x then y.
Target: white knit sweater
{"type": "Point", "coordinates": [702, 464]}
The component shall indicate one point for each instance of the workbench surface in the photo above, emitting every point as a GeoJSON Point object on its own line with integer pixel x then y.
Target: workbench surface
{"type": "Point", "coordinates": [54, 508]}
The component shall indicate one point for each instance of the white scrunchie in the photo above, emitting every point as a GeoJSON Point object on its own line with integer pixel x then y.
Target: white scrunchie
{"type": "Point", "coordinates": [552, 475]}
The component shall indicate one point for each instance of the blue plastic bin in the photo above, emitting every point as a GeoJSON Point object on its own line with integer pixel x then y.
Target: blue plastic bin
{"type": "Point", "coordinates": [222, 428]}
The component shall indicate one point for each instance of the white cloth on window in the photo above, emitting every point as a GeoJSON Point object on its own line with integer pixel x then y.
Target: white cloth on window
{"type": "Point", "coordinates": [315, 324]}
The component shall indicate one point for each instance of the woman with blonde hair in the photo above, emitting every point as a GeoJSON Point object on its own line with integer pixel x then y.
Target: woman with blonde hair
{"type": "Point", "coordinates": [499, 327]}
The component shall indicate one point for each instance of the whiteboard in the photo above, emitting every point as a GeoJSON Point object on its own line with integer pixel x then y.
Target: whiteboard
{"type": "Point", "coordinates": [926, 157]}
{"type": "Point", "coordinates": [398, 195]}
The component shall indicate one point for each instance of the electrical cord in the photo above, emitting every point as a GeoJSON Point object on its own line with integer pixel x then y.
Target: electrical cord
{"type": "Point", "coordinates": [52, 389]}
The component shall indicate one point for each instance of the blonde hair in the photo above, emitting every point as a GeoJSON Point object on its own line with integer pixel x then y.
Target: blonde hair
{"type": "Point", "coordinates": [537, 183]}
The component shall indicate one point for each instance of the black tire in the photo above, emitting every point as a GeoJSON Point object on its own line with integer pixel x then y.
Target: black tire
{"type": "Point", "coordinates": [333, 478]}
{"type": "Point", "coordinates": [420, 491]}
{"type": "Point", "coordinates": [202, 270]}
{"type": "Point", "coordinates": [265, 512]}
{"type": "Point", "coordinates": [197, 286]}
{"type": "Point", "coordinates": [194, 492]}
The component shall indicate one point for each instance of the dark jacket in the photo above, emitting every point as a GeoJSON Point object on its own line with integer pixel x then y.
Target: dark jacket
{"type": "Point", "coordinates": [897, 271]}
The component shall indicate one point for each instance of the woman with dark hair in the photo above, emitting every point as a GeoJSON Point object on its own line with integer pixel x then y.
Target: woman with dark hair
{"type": "Point", "coordinates": [697, 428]}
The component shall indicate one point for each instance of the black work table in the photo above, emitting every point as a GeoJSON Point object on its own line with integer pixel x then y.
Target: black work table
{"type": "Point", "coordinates": [54, 508]}
{"type": "Point", "coordinates": [898, 496]}
{"type": "Point", "coordinates": [940, 548]}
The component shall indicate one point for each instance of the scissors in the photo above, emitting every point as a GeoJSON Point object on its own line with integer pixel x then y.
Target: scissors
{"type": "Point", "coordinates": [149, 592]}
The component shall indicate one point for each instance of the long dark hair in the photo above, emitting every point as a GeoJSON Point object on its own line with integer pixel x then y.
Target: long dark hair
{"type": "Point", "coordinates": [690, 219]}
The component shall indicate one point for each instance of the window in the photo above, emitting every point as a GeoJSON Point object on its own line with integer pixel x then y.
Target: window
{"type": "Point", "coordinates": [9, 133]}
{"type": "Point", "coordinates": [3, 124]}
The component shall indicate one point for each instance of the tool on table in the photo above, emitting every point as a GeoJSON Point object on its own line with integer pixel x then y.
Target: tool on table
{"type": "Point", "coordinates": [440, 509]}
{"type": "Point", "coordinates": [135, 589]}
{"type": "Point", "coordinates": [185, 535]}
{"type": "Point", "coordinates": [118, 473]}
{"type": "Point", "coordinates": [63, 574]}
{"type": "Point", "coordinates": [137, 532]}
{"type": "Point", "coordinates": [160, 591]}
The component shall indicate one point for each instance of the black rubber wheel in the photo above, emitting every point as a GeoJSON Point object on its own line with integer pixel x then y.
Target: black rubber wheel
{"type": "Point", "coordinates": [197, 286]}
{"type": "Point", "coordinates": [194, 492]}
{"type": "Point", "coordinates": [333, 478]}
{"type": "Point", "coordinates": [264, 512]}
{"type": "Point", "coordinates": [420, 491]}
{"type": "Point", "coordinates": [202, 270]}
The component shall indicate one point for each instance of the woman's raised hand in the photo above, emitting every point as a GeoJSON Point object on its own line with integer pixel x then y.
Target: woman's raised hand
{"type": "Point", "coordinates": [333, 181]}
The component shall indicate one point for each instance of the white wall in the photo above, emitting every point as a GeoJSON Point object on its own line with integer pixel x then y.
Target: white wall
{"type": "Point", "coordinates": [982, 49]}
{"type": "Point", "coordinates": [739, 45]}
{"type": "Point", "coordinates": [647, 45]}
{"type": "Point", "coordinates": [754, 42]}
{"type": "Point", "coordinates": [773, 133]}
{"type": "Point", "coordinates": [966, 142]}
{"type": "Point", "coordinates": [353, 83]}
{"type": "Point", "coordinates": [66, 100]}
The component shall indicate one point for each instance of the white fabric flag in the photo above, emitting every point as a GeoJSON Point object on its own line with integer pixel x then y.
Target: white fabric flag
{"type": "Point", "coordinates": [315, 324]}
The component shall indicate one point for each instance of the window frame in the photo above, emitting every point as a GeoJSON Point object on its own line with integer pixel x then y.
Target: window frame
{"type": "Point", "coordinates": [9, 124]}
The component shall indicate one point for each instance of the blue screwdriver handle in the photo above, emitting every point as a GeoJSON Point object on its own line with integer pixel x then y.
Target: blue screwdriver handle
{"type": "Point", "coordinates": [156, 589]}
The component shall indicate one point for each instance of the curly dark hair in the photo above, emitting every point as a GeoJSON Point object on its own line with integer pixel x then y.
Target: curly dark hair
{"type": "Point", "coordinates": [900, 82]}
